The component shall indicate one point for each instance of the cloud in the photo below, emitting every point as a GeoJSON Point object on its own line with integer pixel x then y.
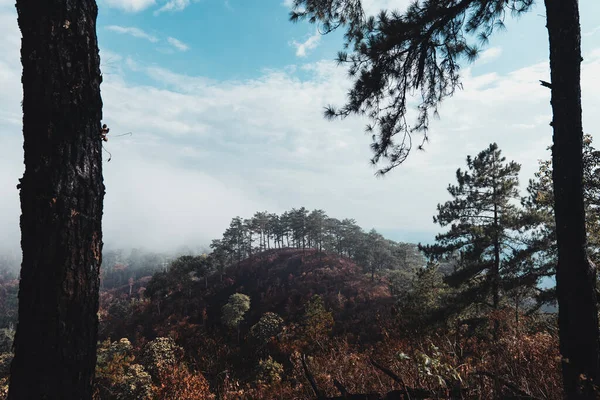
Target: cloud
{"type": "Point", "coordinates": [178, 205]}
{"type": "Point", "coordinates": [132, 6]}
{"type": "Point", "coordinates": [267, 137]}
{"type": "Point", "coordinates": [309, 44]}
{"type": "Point", "coordinates": [132, 31]}
{"type": "Point", "coordinates": [373, 7]}
{"type": "Point", "coordinates": [173, 6]}
{"type": "Point", "coordinates": [592, 32]}
{"type": "Point", "coordinates": [203, 151]}
{"type": "Point", "coordinates": [370, 7]}
{"type": "Point", "coordinates": [138, 33]}
{"type": "Point", "coordinates": [489, 55]}
{"type": "Point", "coordinates": [179, 45]}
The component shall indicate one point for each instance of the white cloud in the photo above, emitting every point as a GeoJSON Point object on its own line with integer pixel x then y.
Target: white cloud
{"type": "Point", "coordinates": [489, 55]}
{"type": "Point", "coordinates": [370, 7]}
{"type": "Point", "coordinates": [592, 32]}
{"type": "Point", "coordinates": [203, 151]}
{"type": "Point", "coordinates": [160, 206]}
{"type": "Point", "coordinates": [138, 33]}
{"type": "Point", "coordinates": [373, 7]}
{"type": "Point", "coordinates": [132, 6]}
{"type": "Point", "coordinates": [179, 45]}
{"type": "Point", "coordinates": [135, 32]}
{"type": "Point", "coordinates": [268, 136]}
{"type": "Point", "coordinates": [173, 6]}
{"type": "Point", "coordinates": [309, 44]}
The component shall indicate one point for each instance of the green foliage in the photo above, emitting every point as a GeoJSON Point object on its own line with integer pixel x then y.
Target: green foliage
{"type": "Point", "coordinates": [376, 253]}
{"type": "Point", "coordinates": [117, 376]}
{"type": "Point", "coordinates": [318, 322]}
{"type": "Point", "coordinates": [269, 326]}
{"type": "Point", "coordinates": [483, 240]}
{"type": "Point", "coordinates": [397, 54]}
{"type": "Point", "coordinates": [425, 294]}
{"type": "Point", "coordinates": [269, 371]}
{"type": "Point", "coordinates": [7, 336]}
{"type": "Point", "coordinates": [137, 384]}
{"type": "Point", "coordinates": [160, 355]}
{"type": "Point", "coordinates": [300, 228]}
{"type": "Point", "coordinates": [5, 360]}
{"type": "Point", "coordinates": [433, 366]}
{"type": "Point", "coordinates": [539, 203]}
{"type": "Point", "coordinates": [233, 312]}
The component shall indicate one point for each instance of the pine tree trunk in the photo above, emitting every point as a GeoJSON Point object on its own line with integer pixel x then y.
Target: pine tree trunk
{"type": "Point", "coordinates": [575, 276]}
{"type": "Point", "coordinates": [62, 194]}
{"type": "Point", "coordinates": [496, 271]}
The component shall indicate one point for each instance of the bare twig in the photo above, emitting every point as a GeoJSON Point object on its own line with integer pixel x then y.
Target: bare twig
{"type": "Point", "coordinates": [310, 378]}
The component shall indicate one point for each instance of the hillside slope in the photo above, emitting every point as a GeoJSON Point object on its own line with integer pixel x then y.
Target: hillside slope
{"type": "Point", "coordinates": [280, 281]}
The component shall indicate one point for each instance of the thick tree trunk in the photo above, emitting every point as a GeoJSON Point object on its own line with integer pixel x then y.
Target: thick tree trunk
{"type": "Point", "coordinates": [575, 276]}
{"type": "Point", "coordinates": [62, 193]}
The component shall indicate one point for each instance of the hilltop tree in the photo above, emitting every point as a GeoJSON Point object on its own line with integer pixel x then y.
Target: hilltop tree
{"type": "Point", "coordinates": [62, 194]}
{"type": "Point", "coordinates": [376, 253]}
{"type": "Point", "coordinates": [234, 239]}
{"type": "Point", "coordinates": [420, 51]}
{"type": "Point", "coordinates": [481, 219]}
{"type": "Point", "coordinates": [299, 226]}
{"type": "Point", "coordinates": [219, 256]}
{"type": "Point", "coordinates": [277, 230]}
{"type": "Point", "coordinates": [316, 229]}
{"type": "Point", "coordinates": [260, 226]}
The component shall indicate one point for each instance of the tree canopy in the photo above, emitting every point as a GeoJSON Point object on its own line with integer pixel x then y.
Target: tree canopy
{"type": "Point", "coordinates": [395, 55]}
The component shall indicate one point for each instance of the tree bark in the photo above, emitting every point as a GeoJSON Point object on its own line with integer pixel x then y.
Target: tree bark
{"type": "Point", "coordinates": [575, 276]}
{"type": "Point", "coordinates": [62, 194]}
{"type": "Point", "coordinates": [496, 270]}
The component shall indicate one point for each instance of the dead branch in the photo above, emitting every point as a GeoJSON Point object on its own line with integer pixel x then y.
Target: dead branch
{"type": "Point", "coordinates": [310, 378]}
{"type": "Point", "coordinates": [340, 387]}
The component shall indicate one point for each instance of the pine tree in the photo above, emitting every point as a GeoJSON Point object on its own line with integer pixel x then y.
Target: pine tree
{"type": "Point", "coordinates": [482, 218]}
{"type": "Point", "coordinates": [235, 239]}
{"type": "Point", "coordinates": [299, 226]}
{"type": "Point", "coordinates": [316, 229]}
{"type": "Point", "coordinates": [420, 51]}
{"type": "Point", "coordinates": [540, 206]}
{"type": "Point", "coordinates": [375, 253]}
{"type": "Point", "coordinates": [62, 194]}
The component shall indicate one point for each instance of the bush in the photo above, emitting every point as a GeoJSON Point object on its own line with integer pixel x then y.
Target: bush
{"type": "Point", "coordinates": [269, 371]}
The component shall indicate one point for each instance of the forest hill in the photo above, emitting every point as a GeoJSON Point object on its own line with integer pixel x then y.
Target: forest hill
{"type": "Point", "coordinates": [276, 288]}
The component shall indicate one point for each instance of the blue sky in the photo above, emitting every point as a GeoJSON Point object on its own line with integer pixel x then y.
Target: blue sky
{"type": "Point", "coordinates": [238, 39]}
{"type": "Point", "coordinates": [225, 97]}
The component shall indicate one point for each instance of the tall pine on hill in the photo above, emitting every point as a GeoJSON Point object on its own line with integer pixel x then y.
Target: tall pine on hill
{"type": "Point", "coordinates": [482, 217]}
{"type": "Point", "coordinates": [420, 51]}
